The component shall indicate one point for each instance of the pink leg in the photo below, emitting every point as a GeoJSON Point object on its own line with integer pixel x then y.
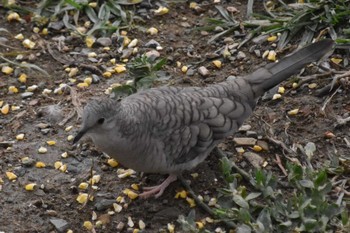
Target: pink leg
{"type": "Point", "coordinates": [158, 190]}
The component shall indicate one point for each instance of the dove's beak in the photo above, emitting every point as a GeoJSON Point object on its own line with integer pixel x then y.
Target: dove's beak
{"type": "Point", "coordinates": [80, 134]}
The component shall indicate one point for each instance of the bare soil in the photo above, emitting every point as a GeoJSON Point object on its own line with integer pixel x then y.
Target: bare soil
{"type": "Point", "coordinates": [56, 192]}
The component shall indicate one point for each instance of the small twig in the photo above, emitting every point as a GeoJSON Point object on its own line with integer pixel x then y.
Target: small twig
{"type": "Point", "coordinates": [202, 204]}
{"type": "Point", "coordinates": [279, 164]}
{"type": "Point", "coordinates": [328, 100]}
{"type": "Point", "coordinates": [281, 144]}
{"type": "Point", "coordinates": [342, 121]}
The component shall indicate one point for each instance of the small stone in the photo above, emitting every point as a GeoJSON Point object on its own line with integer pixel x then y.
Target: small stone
{"type": "Point", "coordinates": [241, 55]}
{"type": "Point", "coordinates": [153, 54]}
{"type": "Point", "coordinates": [251, 134]}
{"type": "Point", "coordinates": [228, 40]}
{"type": "Point", "coordinates": [61, 225]}
{"type": "Point", "coordinates": [190, 72]}
{"type": "Point", "coordinates": [26, 95]}
{"type": "Point", "coordinates": [245, 141]}
{"type": "Point", "coordinates": [120, 226]}
{"type": "Point", "coordinates": [257, 53]}
{"type": "Point", "coordinates": [104, 41]}
{"type": "Point", "coordinates": [264, 145]}
{"type": "Point", "coordinates": [203, 71]}
{"type": "Point", "coordinates": [245, 128]}
{"type": "Point", "coordinates": [104, 204]}
{"type": "Point", "coordinates": [254, 159]}
{"type": "Point", "coordinates": [152, 44]}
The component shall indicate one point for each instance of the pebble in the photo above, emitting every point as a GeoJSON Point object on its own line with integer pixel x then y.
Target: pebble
{"type": "Point", "coordinates": [104, 204]}
{"type": "Point", "coordinates": [104, 41]}
{"type": "Point", "coordinates": [264, 145]}
{"type": "Point", "coordinates": [254, 159]}
{"type": "Point", "coordinates": [152, 44]}
{"type": "Point", "coordinates": [153, 54]}
{"type": "Point", "coordinates": [251, 134]}
{"type": "Point", "coordinates": [241, 55]}
{"type": "Point", "coordinates": [190, 72]}
{"type": "Point", "coordinates": [203, 71]}
{"type": "Point", "coordinates": [245, 128]}
{"type": "Point", "coordinates": [27, 95]}
{"type": "Point", "coordinates": [120, 226]}
{"type": "Point", "coordinates": [228, 40]}
{"type": "Point", "coordinates": [257, 52]}
{"type": "Point", "coordinates": [61, 225]}
{"type": "Point", "coordinates": [244, 141]}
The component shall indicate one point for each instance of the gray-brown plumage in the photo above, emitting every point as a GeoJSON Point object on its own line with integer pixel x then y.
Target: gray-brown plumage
{"type": "Point", "coordinates": [171, 129]}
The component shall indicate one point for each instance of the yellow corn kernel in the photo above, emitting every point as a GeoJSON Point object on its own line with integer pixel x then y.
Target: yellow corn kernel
{"type": "Point", "coordinates": [89, 41]}
{"type": "Point", "coordinates": [117, 208]}
{"type": "Point", "coordinates": [7, 70]}
{"type": "Point", "coordinates": [142, 224]}
{"type": "Point", "coordinates": [28, 44]}
{"type": "Point", "coordinates": [336, 60]}
{"type": "Point", "coordinates": [82, 198]}
{"type": "Point", "coordinates": [14, 16]}
{"type": "Point", "coordinates": [217, 63]}
{"type": "Point", "coordinates": [152, 31]}
{"type": "Point", "coordinates": [272, 38]}
{"type": "Point", "coordinates": [295, 85]}
{"type": "Point", "coordinates": [120, 69]}
{"type": "Point", "coordinates": [14, 108]}
{"type": "Point", "coordinates": [40, 164]}
{"type": "Point", "coordinates": [171, 228]}
{"type": "Point", "coordinates": [13, 89]}
{"type": "Point", "coordinates": [64, 155]}
{"type": "Point", "coordinates": [293, 112]}
{"type": "Point", "coordinates": [68, 128]}
{"type": "Point", "coordinates": [276, 96]}
{"type": "Point", "coordinates": [11, 175]}
{"type": "Point", "coordinates": [88, 225]}
{"type": "Point", "coordinates": [272, 55]}
{"type": "Point", "coordinates": [257, 148]}
{"type": "Point", "coordinates": [126, 41]}
{"type": "Point", "coordinates": [5, 109]}
{"type": "Point", "coordinates": [51, 143]}
{"type": "Point", "coordinates": [193, 5]}
{"type": "Point", "coordinates": [135, 187]}
{"type": "Point", "coordinates": [184, 69]}
{"type": "Point", "coordinates": [112, 162]}
{"type": "Point", "coordinates": [20, 137]}
{"type": "Point", "coordinates": [58, 164]}
{"type": "Point", "coordinates": [199, 225]}
{"type": "Point", "coordinates": [181, 194]}
{"type": "Point", "coordinates": [88, 80]}
{"type": "Point", "coordinates": [191, 202]}
{"type": "Point", "coordinates": [42, 150]}
{"type": "Point", "coordinates": [161, 11]}
{"type": "Point", "coordinates": [63, 168]}
{"type": "Point", "coordinates": [107, 74]}
{"type": "Point", "coordinates": [45, 31]}
{"type": "Point", "coordinates": [83, 185]}
{"type": "Point", "coordinates": [82, 85]}
{"type": "Point", "coordinates": [281, 90]}
{"type": "Point", "coordinates": [19, 36]}
{"type": "Point", "coordinates": [312, 85]}
{"type": "Point", "coordinates": [113, 61]}
{"type": "Point", "coordinates": [70, 138]}
{"type": "Point", "coordinates": [95, 179]}
{"type": "Point", "coordinates": [73, 72]}
{"type": "Point", "coordinates": [30, 187]}
{"type": "Point", "coordinates": [133, 43]}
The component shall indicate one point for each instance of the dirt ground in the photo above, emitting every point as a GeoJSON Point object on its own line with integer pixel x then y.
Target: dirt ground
{"type": "Point", "coordinates": [45, 117]}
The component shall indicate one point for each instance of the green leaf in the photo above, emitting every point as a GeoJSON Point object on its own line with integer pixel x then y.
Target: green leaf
{"type": "Point", "coordinates": [239, 200]}
{"type": "Point", "coordinates": [243, 228]}
{"type": "Point", "coordinates": [244, 215]}
{"type": "Point", "coordinates": [310, 224]}
{"type": "Point", "coordinates": [252, 196]}
{"type": "Point", "coordinates": [159, 64]}
{"type": "Point", "coordinates": [321, 178]}
{"type": "Point", "coordinates": [310, 149]}
{"type": "Point", "coordinates": [265, 219]}
{"type": "Point", "coordinates": [123, 91]}
{"type": "Point", "coordinates": [345, 217]}
{"type": "Point", "coordinates": [74, 4]}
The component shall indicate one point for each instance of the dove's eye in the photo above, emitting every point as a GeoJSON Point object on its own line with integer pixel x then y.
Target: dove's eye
{"type": "Point", "coordinates": [100, 121]}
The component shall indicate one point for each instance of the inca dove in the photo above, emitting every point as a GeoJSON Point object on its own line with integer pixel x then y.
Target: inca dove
{"type": "Point", "coordinates": [172, 129]}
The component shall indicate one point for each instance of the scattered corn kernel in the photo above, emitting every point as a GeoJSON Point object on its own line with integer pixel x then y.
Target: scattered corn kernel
{"type": "Point", "coordinates": [133, 43]}
{"type": "Point", "coordinates": [184, 69]}
{"type": "Point", "coordinates": [95, 179]}
{"type": "Point", "coordinates": [131, 194]}
{"type": "Point", "coordinates": [45, 31]}
{"type": "Point", "coordinates": [272, 55]}
{"type": "Point", "coordinates": [125, 173]}
{"type": "Point", "coordinates": [113, 61]}
{"type": "Point", "coordinates": [69, 231]}
{"type": "Point", "coordinates": [281, 90]}
{"type": "Point", "coordinates": [63, 168]}
{"type": "Point", "coordinates": [336, 60]}
{"type": "Point", "coordinates": [293, 112]}
{"type": "Point", "coordinates": [83, 185]}
{"type": "Point", "coordinates": [14, 108]}
{"type": "Point", "coordinates": [136, 230]}
{"type": "Point", "coordinates": [70, 138]}
{"type": "Point", "coordinates": [64, 155]}
{"type": "Point", "coordinates": [212, 201]}
{"type": "Point", "coordinates": [30, 187]}
{"type": "Point", "coordinates": [19, 36]}
{"type": "Point", "coordinates": [88, 80]}
{"type": "Point", "coordinates": [13, 89]}
{"type": "Point", "coordinates": [152, 31]}
{"type": "Point", "coordinates": [28, 44]}
{"type": "Point", "coordinates": [265, 53]}
{"type": "Point", "coordinates": [130, 222]}
{"type": "Point", "coordinates": [295, 85]}
{"type": "Point", "coordinates": [51, 143]}
{"type": "Point", "coordinates": [120, 69]}
{"type": "Point", "coordinates": [142, 225]}
{"type": "Point", "coordinates": [42, 150]}
{"type": "Point", "coordinates": [20, 137]}
{"type": "Point", "coordinates": [312, 85]}
{"type": "Point", "coordinates": [11, 175]}
{"type": "Point", "coordinates": [161, 11]}
{"type": "Point", "coordinates": [194, 175]}
{"type": "Point", "coordinates": [82, 85]}
{"type": "Point", "coordinates": [193, 5]}
{"type": "Point", "coordinates": [126, 41]}
{"type": "Point", "coordinates": [181, 194]}
{"type": "Point", "coordinates": [36, 30]}
{"type": "Point", "coordinates": [5, 109]}
{"type": "Point", "coordinates": [82, 198]}
{"type": "Point", "coordinates": [107, 74]}
{"type": "Point", "coordinates": [257, 148]}
{"type": "Point", "coordinates": [92, 55]}
{"type": "Point", "coordinates": [117, 208]}
{"type": "Point", "coordinates": [88, 225]}
{"type": "Point", "coordinates": [46, 91]}
{"type": "Point", "coordinates": [120, 199]}
{"type": "Point", "coordinates": [112, 162]}
{"type": "Point", "coordinates": [171, 228]}
{"type": "Point", "coordinates": [209, 220]}
{"type": "Point", "coordinates": [217, 63]}
{"type": "Point", "coordinates": [14, 16]}
{"type": "Point", "coordinates": [272, 38]}
{"type": "Point", "coordinates": [135, 187]}
{"type": "Point", "coordinates": [89, 41]}
{"type": "Point", "coordinates": [73, 72]}
{"type": "Point", "coordinates": [199, 225]}
{"type": "Point", "coordinates": [7, 70]}
{"type": "Point", "coordinates": [276, 96]}
{"type": "Point", "coordinates": [40, 164]}
{"type": "Point", "coordinates": [32, 88]}
{"type": "Point", "coordinates": [58, 164]}
{"type": "Point", "coordinates": [191, 202]}
{"type": "Point", "coordinates": [68, 128]}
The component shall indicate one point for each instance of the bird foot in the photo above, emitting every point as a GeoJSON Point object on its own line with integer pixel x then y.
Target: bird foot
{"type": "Point", "coordinates": [158, 190]}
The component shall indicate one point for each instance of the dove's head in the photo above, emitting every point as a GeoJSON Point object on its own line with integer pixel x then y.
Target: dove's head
{"type": "Point", "coordinates": [98, 117]}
